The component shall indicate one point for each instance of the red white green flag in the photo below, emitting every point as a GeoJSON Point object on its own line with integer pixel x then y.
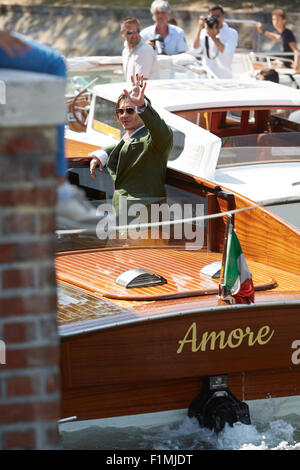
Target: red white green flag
{"type": "Point", "coordinates": [237, 277]}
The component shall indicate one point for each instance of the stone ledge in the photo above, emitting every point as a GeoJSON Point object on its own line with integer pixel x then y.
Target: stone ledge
{"type": "Point", "coordinates": [31, 99]}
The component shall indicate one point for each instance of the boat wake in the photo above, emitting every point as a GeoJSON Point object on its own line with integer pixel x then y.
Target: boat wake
{"type": "Point", "coordinates": [279, 434]}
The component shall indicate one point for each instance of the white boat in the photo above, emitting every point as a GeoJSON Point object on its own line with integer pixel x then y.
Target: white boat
{"type": "Point", "coordinates": [243, 135]}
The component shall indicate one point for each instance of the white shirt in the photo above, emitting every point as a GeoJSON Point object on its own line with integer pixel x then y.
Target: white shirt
{"type": "Point", "coordinates": [220, 63]}
{"type": "Point", "coordinates": [174, 41]}
{"type": "Point", "coordinates": [102, 154]}
{"type": "Point", "coordinates": [142, 59]}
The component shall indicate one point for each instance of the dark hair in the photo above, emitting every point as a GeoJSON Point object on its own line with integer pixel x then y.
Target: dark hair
{"type": "Point", "coordinates": [270, 74]}
{"type": "Point", "coordinates": [123, 97]}
{"type": "Point", "coordinates": [217, 7]}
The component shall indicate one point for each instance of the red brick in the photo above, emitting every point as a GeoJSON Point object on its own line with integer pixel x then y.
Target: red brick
{"type": "Point", "coordinates": [17, 413]}
{"type": "Point", "coordinates": [48, 410]}
{"type": "Point", "coordinates": [12, 306]}
{"type": "Point", "coordinates": [20, 145]}
{"type": "Point", "coordinates": [22, 386]}
{"type": "Point", "coordinates": [28, 305]}
{"type": "Point", "coordinates": [37, 196]}
{"type": "Point", "coordinates": [47, 276]}
{"type": "Point", "coordinates": [19, 332]}
{"type": "Point", "coordinates": [53, 383]}
{"type": "Point", "coordinates": [12, 197]}
{"type": "Point", "coordinates": [18, 223]}
{"type": "Point", "coordinates": [19, 439]}
{"type": "Point", "coordinates": [19, 142]}
{"type": "Point", "coordinates": [28, 250]}
{"type": "Point", "coordinates": [16, 278]}
{"type": "Point", "coordinates": [48, 223]}
{"type": "Point", "coordinates": [26, 412]}
{"type": "Point", "coordinates": [41, 250]}
{"type": "Point", "coordinates": [31, 357]}
{"type": "Point", "coordinates": [47, 169]}
{"type": "Point", "coordinates": [6, 252]}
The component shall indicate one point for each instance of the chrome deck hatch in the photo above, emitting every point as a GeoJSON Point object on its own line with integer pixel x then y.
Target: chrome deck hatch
{"type": "Point", "coordinates": [139, 277]}
{"type": "Point", "coordinates": [212, 270]}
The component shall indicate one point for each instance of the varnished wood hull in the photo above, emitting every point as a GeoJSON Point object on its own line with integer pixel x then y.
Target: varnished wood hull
{"type": "Point", "coordinates": [148, 356]}
{"type": "Point", "coordinates": [139, 368]}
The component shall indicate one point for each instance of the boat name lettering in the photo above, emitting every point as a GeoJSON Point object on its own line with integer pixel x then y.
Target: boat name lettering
{"type": "Point", "coordinates": [296, 354]}
{"type": "Point", "coordinates": [221, 340]}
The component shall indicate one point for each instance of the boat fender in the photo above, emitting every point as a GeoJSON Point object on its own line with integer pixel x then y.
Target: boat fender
{"type": "Point", "coordinates": [216, 405]}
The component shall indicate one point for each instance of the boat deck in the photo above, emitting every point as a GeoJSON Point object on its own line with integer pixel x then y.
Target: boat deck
{"type": "Point", "coordinates": [89, 298]}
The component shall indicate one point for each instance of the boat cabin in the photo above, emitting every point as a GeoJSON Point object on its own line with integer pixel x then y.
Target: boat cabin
{"type": "Point", "coordinates": [241, 134]}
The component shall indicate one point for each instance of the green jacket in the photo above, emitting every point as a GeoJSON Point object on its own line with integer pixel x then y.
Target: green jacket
{"type": "Point", "coordinates": [140, 172]}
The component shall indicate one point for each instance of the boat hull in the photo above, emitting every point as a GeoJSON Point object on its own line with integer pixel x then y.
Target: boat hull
{"type": "Point", "coordinates": [151, 365]}
{"type": "Point", "coordinates": [262, 411]}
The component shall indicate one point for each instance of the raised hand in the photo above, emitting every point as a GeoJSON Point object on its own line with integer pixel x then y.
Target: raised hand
{"type": "Point", "coordinates": [136, 94]}
{"type": "Point", "coordinates": [12, 45]}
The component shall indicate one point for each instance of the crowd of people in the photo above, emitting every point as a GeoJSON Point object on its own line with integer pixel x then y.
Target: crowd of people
{"type": "Point", "coordinates": [214, 39]}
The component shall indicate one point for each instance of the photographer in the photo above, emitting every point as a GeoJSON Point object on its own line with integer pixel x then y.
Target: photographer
{"type": "Point", "coordinates": [217, 42]}
{"type": "Point", "coordinates": [166, 38]}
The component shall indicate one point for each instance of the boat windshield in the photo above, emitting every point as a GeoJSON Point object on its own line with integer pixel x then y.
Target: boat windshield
{"type": "Point", "coordinates": [259, 148]}
{"type": "Point", "coordinates": [104, 119]}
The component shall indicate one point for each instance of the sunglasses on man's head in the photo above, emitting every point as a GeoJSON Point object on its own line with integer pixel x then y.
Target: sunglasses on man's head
{"type": "Point", "coordinates": [122, 111]}
{"type": "Point", "coordinates": [133, 31]}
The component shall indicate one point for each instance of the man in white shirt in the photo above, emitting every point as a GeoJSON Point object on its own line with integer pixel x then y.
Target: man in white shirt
{"type": "Point", "coordinates": [138, 56]}
{"type": "Point", "coordinates": [217, 41]}
{"type": "Point", "coordinates": [172, 37]}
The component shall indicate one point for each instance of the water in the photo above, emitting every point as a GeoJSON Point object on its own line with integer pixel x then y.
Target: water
{"type": "Point", "coordinates": [279, 434]}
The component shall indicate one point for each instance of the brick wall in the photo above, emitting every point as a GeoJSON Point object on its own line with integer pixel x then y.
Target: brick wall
{"type": "Point", "coordinates": [29, 344]}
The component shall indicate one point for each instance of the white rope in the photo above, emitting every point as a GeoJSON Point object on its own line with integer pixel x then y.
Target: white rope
{"type": "Point", "coordinates": [267, 202]}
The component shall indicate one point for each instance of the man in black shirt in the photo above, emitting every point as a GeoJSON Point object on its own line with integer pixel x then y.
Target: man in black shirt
{"type": "Point", "coordinates": [285, 36]}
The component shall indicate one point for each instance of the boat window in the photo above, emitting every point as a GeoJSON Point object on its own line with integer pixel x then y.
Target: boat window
{"type": "Point", "coordinates": [105, 120]}
{"type": "Point", "coordinates": [259, 148]}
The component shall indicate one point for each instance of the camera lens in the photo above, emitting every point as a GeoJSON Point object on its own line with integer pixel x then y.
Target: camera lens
{"type": "Point", "coordinates": [211, 21]}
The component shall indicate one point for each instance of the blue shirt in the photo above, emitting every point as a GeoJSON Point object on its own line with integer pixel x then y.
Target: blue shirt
{"type": "Point", "coordinates": [40, 58]}
{"type": "Point", "coordinates": [174, 42]}
{"type": "Point", "coordinates": [43, 59]}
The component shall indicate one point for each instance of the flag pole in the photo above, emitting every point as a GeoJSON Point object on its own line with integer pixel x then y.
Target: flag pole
{"type": "Point", "coordinates": [224, 293]}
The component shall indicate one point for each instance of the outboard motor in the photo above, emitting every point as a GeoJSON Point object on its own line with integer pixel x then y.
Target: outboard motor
{"type": "Point", "coordinates": [216, 405]}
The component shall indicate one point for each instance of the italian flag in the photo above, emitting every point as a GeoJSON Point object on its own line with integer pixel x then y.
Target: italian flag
{"type": "Point", "coordinates": [237, 277]}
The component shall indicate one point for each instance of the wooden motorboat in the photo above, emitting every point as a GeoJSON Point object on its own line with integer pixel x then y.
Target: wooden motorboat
{"type": "Point", "coordinates": [147, 354]}
{"type": "Point", "coordinates": [180, 346]}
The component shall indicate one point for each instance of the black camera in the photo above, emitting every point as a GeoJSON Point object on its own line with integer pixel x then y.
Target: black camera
{"type": "Point", "coordinates": [211, 21]}
{"type": "Point", "coordinates": [159, 44]}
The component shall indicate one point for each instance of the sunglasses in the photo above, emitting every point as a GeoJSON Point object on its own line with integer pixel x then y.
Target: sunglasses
{"type": "Point", "coordinates": [122, 111]}
{"type": "Point", "coordinates": [133, 31]}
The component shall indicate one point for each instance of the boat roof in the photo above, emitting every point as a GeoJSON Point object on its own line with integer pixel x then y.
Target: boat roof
{"type": "Point", "coordinates": [184, 94]}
